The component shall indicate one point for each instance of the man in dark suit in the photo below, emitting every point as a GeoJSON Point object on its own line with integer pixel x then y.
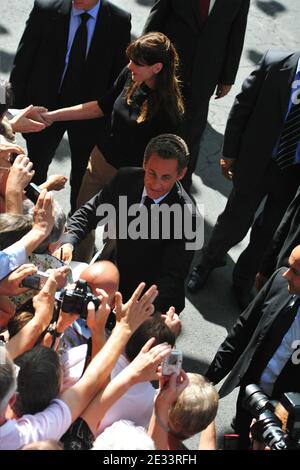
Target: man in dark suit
{"type": "Point", "coordinates": [64, 58]}
{"type": "Point", "coordinates": [209, 37]}
{"type": "Point", "coordinates": [254, 140]}
{"type": "Point", "coordinates": [262, 346]}
{"type": "Point", "coordinates": [286, 237]}
{"type": "Point", "coordinates": [152, 249]}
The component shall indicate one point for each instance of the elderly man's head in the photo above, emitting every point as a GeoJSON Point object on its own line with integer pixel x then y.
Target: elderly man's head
{"type": "Point", "coordinates": [102, 275]}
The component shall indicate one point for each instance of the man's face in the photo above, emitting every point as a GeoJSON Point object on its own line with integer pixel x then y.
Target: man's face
{"type": "Point", "coordinates": [292, 275]}
{"type": "Point", "coordinates": [160, 175]}
{"type": "Point", "coordinates": [84, 4]}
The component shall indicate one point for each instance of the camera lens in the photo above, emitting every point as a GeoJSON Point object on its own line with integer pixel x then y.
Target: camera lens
{"type": "Point", "coordinates": [255, 400]}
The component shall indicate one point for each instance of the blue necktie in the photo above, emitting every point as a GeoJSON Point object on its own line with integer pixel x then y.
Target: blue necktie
{"type": "Point", "coordinates": [290, 136]}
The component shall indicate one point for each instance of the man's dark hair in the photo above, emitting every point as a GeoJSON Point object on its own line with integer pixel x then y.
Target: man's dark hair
{"type": "Point", "coordinates": [38, 380]}
{"type": "Point", "coordinates": [168, 146]}
{"type": "Point", "coordinates": [153, 327]}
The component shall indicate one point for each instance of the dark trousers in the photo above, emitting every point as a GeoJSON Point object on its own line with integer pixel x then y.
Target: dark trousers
{"type": "Point", "coordinates": [41, 148]}
{"type": "Point", "coordinates": [192, 129]}
{"type": "Point", "coordinates": [279, 188]}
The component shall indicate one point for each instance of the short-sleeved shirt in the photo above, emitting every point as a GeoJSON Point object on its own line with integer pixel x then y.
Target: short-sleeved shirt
{"type": "Point", "coordinates": [51, 423]}
{"type": "Point", "coordinates": [128, 138]}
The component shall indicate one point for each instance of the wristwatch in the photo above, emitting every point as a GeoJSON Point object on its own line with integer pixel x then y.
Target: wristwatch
{"type": "Point", "coordinates": [53, 332]}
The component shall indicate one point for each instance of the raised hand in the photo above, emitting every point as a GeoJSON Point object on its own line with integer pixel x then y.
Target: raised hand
{"type": "Point", "coordinates": [138, 308]}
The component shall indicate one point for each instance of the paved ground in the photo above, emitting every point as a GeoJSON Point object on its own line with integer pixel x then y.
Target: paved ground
{"type": "Point", "coordinates": [209, 314]}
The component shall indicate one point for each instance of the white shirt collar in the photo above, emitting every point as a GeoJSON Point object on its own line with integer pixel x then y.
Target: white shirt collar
{"type": "Point", "coordinates": [157, 201]}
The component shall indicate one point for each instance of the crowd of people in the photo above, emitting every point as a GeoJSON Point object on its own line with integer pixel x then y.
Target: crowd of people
{"type": "Point", "coordinates": [85, 338]}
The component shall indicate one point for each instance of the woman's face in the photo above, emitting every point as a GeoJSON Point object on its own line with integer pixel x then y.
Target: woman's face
{"type": "Point", "coordinates": [144, 73]}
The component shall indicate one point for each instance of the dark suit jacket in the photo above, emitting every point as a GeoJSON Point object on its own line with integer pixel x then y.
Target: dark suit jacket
{"type": "Point", "coordinates": [209, 52]}
{"type": "Point", "coordinates": [286, 238]}
{"type": "Point", "coordinates": [257, 116]}
{"type": "Point", "coordinates": [40, 58]}
{"type": "Point", "coordinates": [254, 339]}
{"type": "Point", "coordinates": [164, 262]}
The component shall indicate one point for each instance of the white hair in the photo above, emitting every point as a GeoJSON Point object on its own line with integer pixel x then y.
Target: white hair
{"type": "Point", "coordinates": [124, 435]}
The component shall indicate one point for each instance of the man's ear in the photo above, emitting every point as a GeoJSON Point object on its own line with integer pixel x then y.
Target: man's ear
{"type": "Point", "coordinates": [182, 174]}
{"type": "Point", "coordinates": [144, 164]}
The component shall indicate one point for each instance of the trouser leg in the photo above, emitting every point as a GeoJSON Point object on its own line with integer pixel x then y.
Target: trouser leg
{"type": "Point", "coordinates": [193, 128]}
{"type": "Point", "coordinates": [82, 138]}
{"type": "Point", "coordinates": [98, 173]}
{"type": "Point", "coordinates": [41, 147]}
{"type": "Point", "coordinates": [231, 226]}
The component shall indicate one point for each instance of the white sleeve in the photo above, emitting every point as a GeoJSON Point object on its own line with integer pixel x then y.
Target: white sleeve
{"type": "Point", "coordinates": [52, 423]}
{"type": "Point", "coordinates": [11, 258]}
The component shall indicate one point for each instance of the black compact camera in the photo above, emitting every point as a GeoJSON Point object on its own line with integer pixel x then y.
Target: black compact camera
{"type": "Point", "coordinates": [76, 300]}
{"type": "Point", "coordinates": [33, 192]}
{"type": "Point", "coordinates": [268, 427]}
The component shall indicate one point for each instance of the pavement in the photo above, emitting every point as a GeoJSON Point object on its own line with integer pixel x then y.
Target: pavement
{"type": "Point", "coordinates": [209, 314]}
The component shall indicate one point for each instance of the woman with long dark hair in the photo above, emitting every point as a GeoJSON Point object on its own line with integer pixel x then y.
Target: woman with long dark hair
{"type": "Point", "coordinates": [145, 101]}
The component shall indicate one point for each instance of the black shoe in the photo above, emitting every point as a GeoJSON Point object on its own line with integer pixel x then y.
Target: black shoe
{"type": "Point", "coordinates": [198, 277]}
{"type": "Point", "coordinates": [243, 296]}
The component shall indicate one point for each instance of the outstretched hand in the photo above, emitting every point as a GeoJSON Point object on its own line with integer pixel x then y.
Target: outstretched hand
{"type": "Point", "coordinates": [29, 120]}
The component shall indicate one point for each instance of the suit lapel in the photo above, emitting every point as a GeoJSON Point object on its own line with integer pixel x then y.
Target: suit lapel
{"type": "Point", "coordinates": [286, 77]}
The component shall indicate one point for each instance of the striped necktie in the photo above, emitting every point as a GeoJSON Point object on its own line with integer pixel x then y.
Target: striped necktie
{"type": "Point", "coordinates": [290, 136]}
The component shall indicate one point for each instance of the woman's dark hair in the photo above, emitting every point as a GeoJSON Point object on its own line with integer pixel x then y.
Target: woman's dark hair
{"type": "Point", "coordinates": [150, 49]}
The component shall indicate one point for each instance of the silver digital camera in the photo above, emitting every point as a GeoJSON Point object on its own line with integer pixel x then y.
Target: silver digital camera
{"type": "Point", "coordinates": [172, 363]}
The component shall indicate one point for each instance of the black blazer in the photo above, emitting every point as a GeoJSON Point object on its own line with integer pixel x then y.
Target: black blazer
{"type": "Point", "coordinates": [209, 52]}
{"type": "Point", "coordinates": [257, 116]}
{"type": "Point", "coordinates": [40, 59]}
{"type": "Point", "coordinates": [286, 238]}
{"type": "Point", "coordinates": [164, 262]}
{"type": "Point", "coordinates": [254, 339]}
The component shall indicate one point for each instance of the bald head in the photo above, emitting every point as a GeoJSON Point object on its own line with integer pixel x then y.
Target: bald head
{"type": "Point", "coordinates": [295, 255]}
{"type": "Point", "coordinates": [102, 275]}
{"type": "Point", "coordinates": [292, 275]}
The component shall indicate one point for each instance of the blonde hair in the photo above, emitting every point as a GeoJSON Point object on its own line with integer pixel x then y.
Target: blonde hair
{"type": "Point", "coordinates": [195, 408]}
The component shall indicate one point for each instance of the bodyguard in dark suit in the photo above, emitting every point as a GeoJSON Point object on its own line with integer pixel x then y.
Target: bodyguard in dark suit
{"type": "Point", "coordinates": [262, 346]}
{"type": "Point", "coordinates": [161, 256]}
{"type": "Point", "coordinates": [209, 37]}
{"type": "Point", "coordinates": [51, 68]}
{"type": "Point", "coordinates": [256, 138]}
{"type": "Point", "coordinates": [286, 237]}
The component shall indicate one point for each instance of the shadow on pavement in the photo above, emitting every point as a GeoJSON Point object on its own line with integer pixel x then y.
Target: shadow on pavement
{"type": "Point", "coordinates": [63, 151]}
{"type": "Point", "coordinates": [6, 61]}
{"type": "Point", "coordinates": [272, 8]}
{"type": "Point", "coordinates": [3, 30]}
{"type": "Point", "coordinates": [254, 56]}
{"type": "Point", "coordinates": [208, 162]}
